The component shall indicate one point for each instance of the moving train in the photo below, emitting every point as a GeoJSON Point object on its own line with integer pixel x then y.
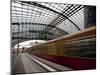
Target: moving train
{"type": "Point", "coordinates": [76, 50]}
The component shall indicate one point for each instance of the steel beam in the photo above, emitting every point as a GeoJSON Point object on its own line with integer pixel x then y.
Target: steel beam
{"type": "Point", "coordinates": [30, 38]}
{"type": "Point", "coordinates": [42, 6]}
{"type": "Point", "coordinates": [25, 23]}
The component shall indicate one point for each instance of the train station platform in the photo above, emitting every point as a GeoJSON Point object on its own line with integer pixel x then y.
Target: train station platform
{"type": "Point", "coordinates": [64, 37]}
{"type": "Point", "coordinates": [26, 63]}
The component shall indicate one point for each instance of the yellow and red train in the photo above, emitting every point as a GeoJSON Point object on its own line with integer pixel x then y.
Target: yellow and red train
{"type": "Point", "coordinates": [77, 50]}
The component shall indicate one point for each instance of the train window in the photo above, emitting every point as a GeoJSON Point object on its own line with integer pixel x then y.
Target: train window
{"type": "Point", "coordinates": [90, 54]}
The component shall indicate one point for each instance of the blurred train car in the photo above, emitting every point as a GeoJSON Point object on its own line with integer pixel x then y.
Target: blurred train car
{"type": "Point", "coordinates": [77, 50]}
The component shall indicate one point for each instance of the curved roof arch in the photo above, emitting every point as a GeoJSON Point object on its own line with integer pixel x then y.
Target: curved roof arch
{"type": "Point", "coordinates": [43, 20]}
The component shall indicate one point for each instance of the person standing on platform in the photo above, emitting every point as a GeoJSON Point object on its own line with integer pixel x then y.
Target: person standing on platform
{"type": "Point", "coordinates": [22, 49]}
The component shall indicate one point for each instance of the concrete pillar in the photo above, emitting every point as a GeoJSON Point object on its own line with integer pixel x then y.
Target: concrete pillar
{"type": "Point", "coordinates": [89, 16]}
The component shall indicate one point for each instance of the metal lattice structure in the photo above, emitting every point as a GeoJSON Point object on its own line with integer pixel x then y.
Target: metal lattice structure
{"type": "Point", "coordinates": [43, 20]}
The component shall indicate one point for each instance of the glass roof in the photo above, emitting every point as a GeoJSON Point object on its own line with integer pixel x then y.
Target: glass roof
{"type": "Point", "coordinates": [44, 20]}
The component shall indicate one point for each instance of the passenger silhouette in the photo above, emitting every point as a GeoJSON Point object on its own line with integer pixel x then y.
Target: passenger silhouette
{"type": "Point", "coordinates": [22, 49]}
